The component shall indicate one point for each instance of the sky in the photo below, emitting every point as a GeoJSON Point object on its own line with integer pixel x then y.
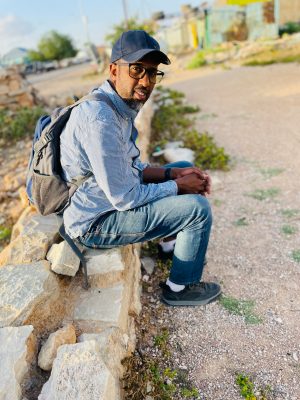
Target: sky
{"type": "Point", "coordinates": [23, 22]}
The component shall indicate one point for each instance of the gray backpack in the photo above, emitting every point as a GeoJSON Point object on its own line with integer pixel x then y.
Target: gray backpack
{"type": "Point", "coordinates": [44, 185]}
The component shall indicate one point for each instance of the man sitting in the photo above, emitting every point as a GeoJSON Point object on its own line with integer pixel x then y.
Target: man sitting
{"type": "Point", "coordinates": [126, 201]}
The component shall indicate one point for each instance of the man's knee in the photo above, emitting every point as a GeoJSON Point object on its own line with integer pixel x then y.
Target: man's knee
{"type": "Point", "coordinates": [197, 206]}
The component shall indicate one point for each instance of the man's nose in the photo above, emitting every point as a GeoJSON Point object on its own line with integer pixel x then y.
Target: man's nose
{"type": "Point", "coordinates": [145, 81]}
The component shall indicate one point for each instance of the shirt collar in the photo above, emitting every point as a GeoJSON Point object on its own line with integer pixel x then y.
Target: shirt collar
{"type": "Point", "coordinates": [124, 110]}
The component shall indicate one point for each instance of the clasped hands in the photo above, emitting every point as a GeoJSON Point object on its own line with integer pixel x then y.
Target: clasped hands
{"type": "Point", "coordinates": [191, 180]}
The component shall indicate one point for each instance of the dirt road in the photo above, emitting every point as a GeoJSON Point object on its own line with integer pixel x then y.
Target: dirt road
{"type": "Point", "coordinates": [255, 245]}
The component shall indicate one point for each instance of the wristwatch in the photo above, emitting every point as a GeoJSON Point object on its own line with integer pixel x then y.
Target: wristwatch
{"type": "Point", "coordinates": [168, 174]}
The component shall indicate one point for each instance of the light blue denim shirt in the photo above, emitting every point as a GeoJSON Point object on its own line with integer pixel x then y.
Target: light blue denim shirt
{"type": "Point", "coordinates": [101, 139]}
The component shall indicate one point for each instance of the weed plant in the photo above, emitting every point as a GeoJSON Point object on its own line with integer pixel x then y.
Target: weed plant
{"type": "Point", "coordinates": [288, 229]}
{"type": "Point", "coordinates": [247, 388]}
{"type": "Point", "coordinates": [261, 194]}
{"type": "Point", "coordinates": [174, 120]}
{"type": "Point", "coordinates": [15, 125]}
{"type": "Point", "coordinates": [243, 308]}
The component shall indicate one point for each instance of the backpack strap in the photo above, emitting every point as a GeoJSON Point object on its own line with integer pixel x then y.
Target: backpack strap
{"type": "Point", "coordinates": [80, 179]}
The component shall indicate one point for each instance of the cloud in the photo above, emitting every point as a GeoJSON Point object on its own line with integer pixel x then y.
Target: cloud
{"type": "Point", "coordinates": [12, 26]}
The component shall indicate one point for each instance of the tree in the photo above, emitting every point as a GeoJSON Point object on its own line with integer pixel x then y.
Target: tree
{"type": "Point", "coordinates": [132, 23]}
{"type": "Point", "coordinates": [53, 46]}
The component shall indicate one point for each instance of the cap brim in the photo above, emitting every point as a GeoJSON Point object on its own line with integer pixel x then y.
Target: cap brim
{"type": "Point", "coordinates": [138, 55]}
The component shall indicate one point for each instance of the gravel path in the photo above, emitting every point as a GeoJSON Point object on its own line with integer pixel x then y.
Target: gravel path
{"type": "Point", "coordinates": [254, 114]}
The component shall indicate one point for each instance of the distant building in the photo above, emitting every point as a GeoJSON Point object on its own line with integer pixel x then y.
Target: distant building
{"type": "Point", "coordinates": [15, 56]}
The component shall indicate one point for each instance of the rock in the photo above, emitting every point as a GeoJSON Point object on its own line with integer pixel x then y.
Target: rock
{"type": "Point", "coordinates": [23, 220]}
{"type": "Point", "coordinates": [23, 196]}
{"type": "Point", "coordinates": [23, 289]}
{"type": "Point", "coordinates": [148, 264]}
{"type": "Point", "coordinates": [112, 346]}
{"type": "Point", "coordinates": [63, 260]}
{"type": "Point", "coordinates": [97, 309]}
{"type": "Point", "coordinates": [174, 155]}
{"type": "Point", "coordinates": [106, 267]}
{"type": "Point", "coordinates": [37, 234]}
{"type": "Point", "coordinates": [17, 350]}
{"type": "Point", "coordinates": [79, 373]}
{"type": "Point", "coordinates": [13, 181]}
{"type": "Point", "coordinates": [65, 335]}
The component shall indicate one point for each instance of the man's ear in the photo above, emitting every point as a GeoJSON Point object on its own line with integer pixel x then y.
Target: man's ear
{"type": "Point", "coordinates": [113, 71]}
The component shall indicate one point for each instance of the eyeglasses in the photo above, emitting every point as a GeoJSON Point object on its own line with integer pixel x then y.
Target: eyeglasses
{"type": "Point", "coordinates": [138, 71]}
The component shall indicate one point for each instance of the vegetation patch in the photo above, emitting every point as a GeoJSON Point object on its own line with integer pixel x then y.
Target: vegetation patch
{"type": "Point", "coordinates": [201, 58]}
{"type": "Point", "coordinates": [296, 256]}
{"type": "Point", "coordinates": [174, 120]}
{"type": "Point", "coordinates": [15, 125]}
{"type": "Point", "coordinates": [241, 222]}
{"type": "Point", "coordinates": [243, 308]}
{"type": "Point", "coordinates": [290, 213]}
{"type": "Point", "coordinates": [248, 390]}
{"type": "Point", "coordinates": [270, 172]}
{"type": "Point", "coordinates": [289, 229]}
{"type": "Point", "coordinates": [264, 194]}
{"type": "Point", "coordinates": [4, 233]}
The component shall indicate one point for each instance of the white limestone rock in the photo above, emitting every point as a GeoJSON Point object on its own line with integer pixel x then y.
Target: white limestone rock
{"type": "Point", "coordinates": [24, 288]}
{"type": "Point", "coordinates": [17, 349]}
{"type": "Point", "coordinates": [105, 267]}
{"type": "Point", "coordinates": [97, 309]}
{"type": "Point", "coordinates": [65, 335]}
{"type": "Point", "coordinates": [79, 373]}
{"type": "Point", "coordinates": [36, 234]}
{"type": "Point", "coordinates": [63, 260]}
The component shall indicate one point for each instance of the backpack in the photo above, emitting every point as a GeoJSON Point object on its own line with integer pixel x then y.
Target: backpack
{"type": "Point", "coordinates": [45, 187]}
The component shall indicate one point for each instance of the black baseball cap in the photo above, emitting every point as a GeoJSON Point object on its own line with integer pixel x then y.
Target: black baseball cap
{"type": "Point", "coordinates": [134, 45]}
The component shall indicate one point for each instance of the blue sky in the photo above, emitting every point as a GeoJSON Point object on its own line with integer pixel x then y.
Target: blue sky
{"type": "Point", "coordinates": [22, 23]}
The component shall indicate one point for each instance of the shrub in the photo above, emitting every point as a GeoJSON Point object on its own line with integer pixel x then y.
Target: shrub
{"type": "Point", "coordinates": [173, 121]}
{"type": "Point", "coordinates": [207, 154]}
{"type": "Point", "coordinates": [15, 125]}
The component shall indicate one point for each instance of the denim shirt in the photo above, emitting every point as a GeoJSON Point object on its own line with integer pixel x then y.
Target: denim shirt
{"type": "Point", "coordinates": [99, 138]}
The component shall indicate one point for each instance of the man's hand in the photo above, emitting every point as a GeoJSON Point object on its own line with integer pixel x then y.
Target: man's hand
{"type": "Point", "coordinates": [178, 173]}
{"type": "Point", "coordinates": [191, 184]}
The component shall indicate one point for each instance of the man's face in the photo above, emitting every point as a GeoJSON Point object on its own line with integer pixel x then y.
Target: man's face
{"type": "Point", "coordinates": [135, 92]}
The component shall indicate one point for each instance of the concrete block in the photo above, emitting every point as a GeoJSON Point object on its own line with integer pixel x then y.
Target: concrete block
{"type": "Point", "coordinates": [17, 350]}
{"type": "Point", "coordinates": [79, 373]}
{"type": "Point", "coordinates": [63, 260]}
{"type": "Point", "coordinates": [23, 289]}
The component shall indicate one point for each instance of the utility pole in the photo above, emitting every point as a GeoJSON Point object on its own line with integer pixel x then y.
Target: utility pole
{"type": "Point", "coordinates": [125, 13]}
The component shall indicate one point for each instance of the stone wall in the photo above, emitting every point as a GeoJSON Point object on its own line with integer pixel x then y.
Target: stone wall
{"type": "Point", "coordinates": [49, 324]}
{"type": "Point", "coordinates": [15, 91]}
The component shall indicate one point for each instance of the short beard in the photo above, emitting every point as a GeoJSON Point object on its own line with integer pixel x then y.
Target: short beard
{"type": "Point", "coordinates": [135, 105]}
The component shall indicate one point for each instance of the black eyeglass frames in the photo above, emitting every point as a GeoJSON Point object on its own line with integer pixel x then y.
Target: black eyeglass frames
{"type": "Point", "coordinates": [138, 71]}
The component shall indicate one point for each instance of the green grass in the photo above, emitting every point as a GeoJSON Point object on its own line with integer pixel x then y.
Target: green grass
{"type": "Point", "coordinates": [241, 222]}
{"type": "Point", "coordinates": [217, 202]}
{"type": "Point", "coordinates": [270, 172]}
{"type": "Point", "coordinates": [296, 256]}
{"type": "Point", "coordinates": [289, 229]}
{"type": "Point", "coordinates": [243, 308]}
{"type": "Point", "coordinates": [264, 194]}
{"type": "Point", "coordinates": [4, 233]}
{"type": "Point", "coordinates": [290, 213]}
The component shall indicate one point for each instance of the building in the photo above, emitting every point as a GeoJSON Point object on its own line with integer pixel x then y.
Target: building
{"type": "Point", "coordinates": [15, 56]}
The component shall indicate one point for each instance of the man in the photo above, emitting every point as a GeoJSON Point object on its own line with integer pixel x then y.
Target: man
{"type": "Point", "coordinates": [126, 201]}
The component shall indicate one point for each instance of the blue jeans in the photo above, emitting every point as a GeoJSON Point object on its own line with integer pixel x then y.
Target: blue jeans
{"type": "Point", "coordinates": [187, 216]}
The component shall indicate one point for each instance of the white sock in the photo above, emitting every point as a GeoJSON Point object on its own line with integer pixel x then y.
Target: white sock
{"type": "Point", "coordinates": [174, 286]}
{"type": "Point", "coordinates": [167, 247]}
